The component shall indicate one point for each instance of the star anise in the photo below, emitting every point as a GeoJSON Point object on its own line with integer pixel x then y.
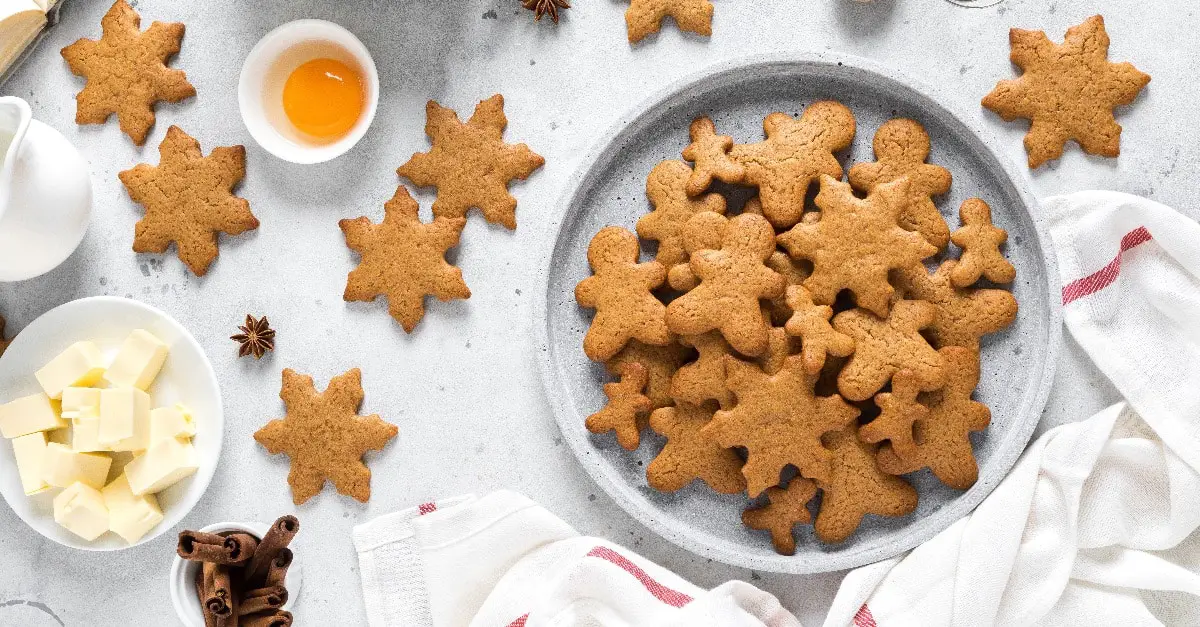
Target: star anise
{"type": "Point", "coordinates": [257, 337]}
{"type": "Point", "coordinates": [544, 7]}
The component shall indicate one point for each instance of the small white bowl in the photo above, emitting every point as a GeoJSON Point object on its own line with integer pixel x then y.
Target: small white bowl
{"type": "Point", "coordinates": [187, 377]}
{"type": "Point", "coordinates": [266, 69]}
{"type": "Point", "coordinates": [183, 576]}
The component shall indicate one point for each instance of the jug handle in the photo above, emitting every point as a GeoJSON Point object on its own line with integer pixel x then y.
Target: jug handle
{"type": "Point", "coordinates": [24, 115]}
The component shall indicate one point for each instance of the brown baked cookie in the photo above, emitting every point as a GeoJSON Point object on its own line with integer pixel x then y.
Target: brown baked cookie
{"type": "Point", "coordinates": [189, 199]}
{"type": "Point", "coordinates": [470, 164]}
{"type": "Point", "coordinates": [126, 71]}
{"type": "Point", "coordinates": [779, 421]}
{"type": "Point", "coordinates": [754, 205]}
{"type": "Point", "coordinates": [856, 487]}
{"type": "Point", "coordinates": [732, 280]}
{"type": "Point", "coordinates": [710, 154]}
{"type": "Point", "coordinates": [963, 314]}
{"type": "Point", "coordinates": [942, 441]}
{"type": "Point", "coordinates": [795, 153]}
{"type": "Point", "coordinates": [794, 272]}
{"type": "Point", "coordinates": [780, 346]}
{"type": "Point", "coordinates": [690, 454]}
{"type": "Point", "coordinates": [787, 508]}
{"type": "Point", "coordinates": [324, 436]}
{"type": "Point", "coordinates": [660, 362]}
{"type": "Point", "coordinates": [626, 408]}
{"type": "Point", "coordinates": [980, 242]}
{"type": "Point", "coordinates": [702, 231]}
{"type": "Point", "coordinates": [403, 259]}
{"type": "Point", "coordinates": [645, 16]}
{"type": "Point", "coordinates": [899, 411]}
{"type": "Point", "coordinates": [619, 291]}
{"type": "Point", "coordinates": [810, 322]}
{"type": "Point", "coordinates": [1066, 91]}
{"type": "Point", "coordinates": [855, 243]}
{"type": "Point", "coordinates": [3, 342]}
{"type": "Point", "coordinates": [704, 379]}
{"type": "Point", "coordinates": [667, 189]}
{"type": "Point", "coordinates": [901, 148]}
{"type": "Point", "coordinates": [885, 346]}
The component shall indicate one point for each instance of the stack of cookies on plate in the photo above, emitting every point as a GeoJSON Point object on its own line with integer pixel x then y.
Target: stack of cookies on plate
{"type": "Point", "coordinates": [809, 351]}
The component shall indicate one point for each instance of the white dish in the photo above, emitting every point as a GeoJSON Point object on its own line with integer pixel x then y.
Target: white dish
{"type": "Point", "coordinates": [266, 69]}
{"type": "Point", "coordinates": [187, 377]}
{"type": "Point", "coordinates": [183, 576]}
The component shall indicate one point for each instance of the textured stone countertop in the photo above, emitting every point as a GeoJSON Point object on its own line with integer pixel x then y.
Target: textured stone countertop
{"type": "Point", "coordinates": [464, 387]}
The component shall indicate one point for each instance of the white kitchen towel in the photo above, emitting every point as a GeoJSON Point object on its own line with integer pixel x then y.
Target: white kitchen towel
{"type": "Point", "coordinates": [1094, 525]}
{"type": "Point", "coordinates": [502, 560]}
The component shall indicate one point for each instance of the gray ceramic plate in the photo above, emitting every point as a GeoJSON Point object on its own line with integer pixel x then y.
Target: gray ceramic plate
{"type": "Point", "coordinates": [1018, 363]}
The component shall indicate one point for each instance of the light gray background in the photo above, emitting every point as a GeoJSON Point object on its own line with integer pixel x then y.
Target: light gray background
{"type": "Point", "coordinates": [464, 388]}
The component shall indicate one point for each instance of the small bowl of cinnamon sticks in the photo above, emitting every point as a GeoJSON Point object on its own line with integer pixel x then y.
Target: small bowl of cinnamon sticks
{"type": "Point", "coordinates": [236, 575]}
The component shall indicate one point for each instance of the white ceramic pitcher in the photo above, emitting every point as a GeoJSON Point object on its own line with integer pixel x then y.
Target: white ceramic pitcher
{"type": "Point", "coordinates": [45, 194]}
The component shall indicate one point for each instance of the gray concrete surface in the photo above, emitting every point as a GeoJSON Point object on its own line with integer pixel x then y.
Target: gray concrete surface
{"type": "Point", "coordinates": [464, 388]}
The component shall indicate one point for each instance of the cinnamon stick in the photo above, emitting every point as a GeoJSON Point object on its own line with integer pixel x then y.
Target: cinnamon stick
{"type": "Point", "coordinates": [202, 595]}
{"type": "Point", "coordinates": [275, 618]}
{"type": "Point", "coordinates": [218, 599]}
{"type": "Point", "coordinates": [240, 547]}
{"type": "Point", "coordinates": [277, 538]}
{"type": "Point", "coordinates": [277, 571]}
{"type": "Point", "coordinates": [262, 600]}
{"type": "Point", "coordinates": [202, 547]}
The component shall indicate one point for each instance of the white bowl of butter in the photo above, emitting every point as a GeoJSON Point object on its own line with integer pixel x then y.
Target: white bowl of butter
{"type": "Point", "coordinates": [99, 439]}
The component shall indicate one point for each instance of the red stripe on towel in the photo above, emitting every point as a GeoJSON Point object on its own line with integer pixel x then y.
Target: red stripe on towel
{"type": "Point", "coordinates": [520, 621]}
{"type": "Point", "coordinates": [426, 508]}
{"type": "Point", "coordinates": [1104, 277]}
{"type": "Point", "coordinates": [863, 618]}
{"type": "Point", "coordinates": [674, 598]}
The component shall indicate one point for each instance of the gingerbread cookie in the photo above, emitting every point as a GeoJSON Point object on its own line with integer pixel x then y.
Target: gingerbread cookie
{"type": "Point", "coordinates": [794, 272]}
{"type": "Point", "coordinates": [779, 421]}
{"type": "Point", "coordinates": [667, 190]}
{"type": "Point", "coordinates": [898, 412]}
{"type": "Point", "coordinates": [690, 454]}
{"type": "Point", "coordinates": [795, 153]}
{"type": "Point", "coordinates": [619, 291]}
{"type": "Point", "coordinates": [126, 71]}
{"type": "Point", "coordinates": [3, 342]}
{"type": "Point", "coordinates": [732, 280]}
{"type": "Point", "coordinates": [942, 440]}
{"type": "Point", "coordinates": [661, 362]}
{"type": "Point", "coordinates": [901, 148]}
{"type": "Point", "coordinates": [404, 259]}
{"type": "Point", "coordinates": [1066, 91]}
{"type": "Point", "coordinates": [189, 199]}
{"type": "Point", "coordinates": [856, 242]}
{"type": "Point", "coordinates": [856, 487]}
{"type": "Point", "coordinates": [885, 346]}
{"type": "Point", "coordinates": [704, 379]}
{"type": "Point", "coordinates": [645, 16]}
{"type": "Point", "coordinates": [324, 436]}
{"type": "Point", "coordinates": [980, 242]}
{"type": "Point", "coordinates": [470, 164]}
{"type": "Point", "coordinates": [780, 346]}
{"type": "Point", "coordinates": [626, 408]}
{"type": "Point", "coordinates": [710, 154]}
{"type": "Point", "coordinates": [963, 314]}
{"type": "Point", "coordinates": [702, 231]}
{"type": "Point", "coordinates": [810, 322]}
{"type": "Point", "coordinates": [786, 508]}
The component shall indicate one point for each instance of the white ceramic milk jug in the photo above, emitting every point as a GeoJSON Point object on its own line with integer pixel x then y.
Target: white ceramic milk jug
{"type": "Point", "coordinates": [45, 194]}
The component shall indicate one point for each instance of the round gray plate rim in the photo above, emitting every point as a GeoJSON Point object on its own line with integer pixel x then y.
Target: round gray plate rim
{"type": "Point", "coordinates": [669, 515]}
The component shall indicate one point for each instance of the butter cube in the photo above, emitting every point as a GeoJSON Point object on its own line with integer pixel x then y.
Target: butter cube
{"type": "Point", "coordinates": [62, 467]}
{"type": "Point", "coordinates": [81, 365]}
{"type": "Point", "coordinates": [164, 463]}
{"type": "Point", "coordinates": [171, 422]}
{"type": "Point", "coordinates": [85, 435]}
{"type": "Point", "coordinates": [138, 362]}
{"type": "Point", "coordinates": [122, 412]}
{"type": "Point", "coordinates": [130, 516]}
{"type": "Point", "coordinates": [79, 401]}
{"type": "Point", "coordinates": [29, 451]}
{"type": "Point", "coordinates": [80, 508]}
{"type": "Point", "coordinates": [29, 414]}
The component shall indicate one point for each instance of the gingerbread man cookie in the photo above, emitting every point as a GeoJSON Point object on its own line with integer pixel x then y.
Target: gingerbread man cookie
{"type": "Point", "coordinates": [810, 322]}
{"type": "Point", "coordinates": [963, 314]}
{"type": "Point", "coordinates": [619, 291]}
{"type": "Point", "coordinates": [885, 346]}
{"type": "Point", "coordinates": [794, 272]}
{"type": "Point", "coordinates": [704, 379]}
{"type": "Point", "coordinates": [942, 440]}
{"type": "Point", "coordinates": [856, 243]}
{"type": "Point", "coordinates": [901, 148]}
{"type": "Point", "coordinates": [660, 362]}
{"type": "Point", "coordinates": [710, 154]}
{"type": "Point", "coordinates": [690, 454]}
{"type": "Point", "coordinates": [3, 342]}
{"type": "Point", "coordinates": [702, 231]}
{"type": "Point", "coordinates": [794, 155]}
{"type": "Point", "coordinates": [667, 190]}
{"type": "Point", "coordinates": [780, 346]}
{"type": "Point", "coordinates": [980, 242]}
{"type": "Point", "coordinates": [856, 487]}
{"type": "Point", "coordinates": [786, 508]}
{"type": "Point", "coordinates": [626, 408]}
{"type": "Point", "coordinates": [645, 16]}
{"type": "Point", "coordinates": [899, 411]}
{"type": "Point", "coordinates": [779, 421]}
{"type": "Point", "coordinates": [732, 280]}
{"type": "Point", "coordinates": [1067, 91]}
